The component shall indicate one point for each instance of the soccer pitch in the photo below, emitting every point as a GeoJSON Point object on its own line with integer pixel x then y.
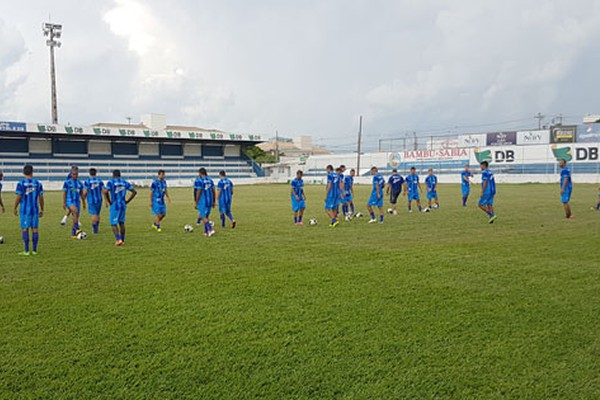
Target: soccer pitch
{"type": "Point", "coordinates": [435, 305]}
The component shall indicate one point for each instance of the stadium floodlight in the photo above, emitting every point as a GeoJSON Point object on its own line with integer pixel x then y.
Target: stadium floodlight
{"type": "Point", "coordinates": [53, 32]}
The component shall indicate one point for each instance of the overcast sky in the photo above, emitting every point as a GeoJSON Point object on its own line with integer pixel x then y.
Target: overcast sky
{"type": "Point", "coordinates": [305, 67]}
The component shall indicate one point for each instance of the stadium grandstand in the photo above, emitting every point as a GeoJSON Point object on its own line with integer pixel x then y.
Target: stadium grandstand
{"type": "Point", "coordinates": [138, 150]}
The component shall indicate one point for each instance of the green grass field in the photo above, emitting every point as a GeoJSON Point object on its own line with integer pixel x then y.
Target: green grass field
{"type": "Point", "coordinates": [437, 305]}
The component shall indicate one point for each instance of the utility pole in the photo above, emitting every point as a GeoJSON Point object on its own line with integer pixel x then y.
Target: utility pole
{"type": "Point", "coordinates": [128, 120]}
{"type": "Point", "coordinates": [416, 143]}
{"type": "Point", "coordinates": [539, 117]}
{"type": "Point", "coordinates": [276, 145]}
{"type": "Point", "coordinates": [358, 146]}
{"type": "Point", "coordinates": [53, 32]}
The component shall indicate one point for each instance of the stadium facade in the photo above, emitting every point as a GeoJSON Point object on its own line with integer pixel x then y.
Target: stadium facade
{"type": "Point", "coordinates": [138, 150]}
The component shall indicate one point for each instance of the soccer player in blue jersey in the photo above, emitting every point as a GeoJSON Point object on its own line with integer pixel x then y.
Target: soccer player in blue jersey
{"type": "Point", "coordinates": [341, 189]}
{"type": "Point", "coordinates": [566, 187]}
{"type": "Point", "coordinates": [465, 184]}
{"type": "Point", "coordinates": [431, 181]}
{"type": "Point", "coordinates": [92, 191]}
{"type": "Point", "coordinates": [68, 213]}
{"type": "Point", "coordinates": [29, 206]}
{"type": "Point", "coordinates": [1, 202]}
{"type": "Point", "coordinates": [72, 199]}
{"type": "Point", "coordinates": [488, 191]}
{"type": "Point", "coordinates": [376, 199]}
{"type": "Point", "coordinates": [412, 189]}
{"type": "Point", "coordinates": [298, 198]}
{"type": "Point", "coordinates": [332, 196]}
{"type": "Point", "coordinates": [158, 192]}
{"type": "Point", "coordinates": [225, 198]}
{"type": "Point", "coordinates": [205, 200]}
{"type": "Point", "coordinates": [115, 194]}
{"type": "Point", "coordinates": [394, 188]}
{"type": "Point", "coordinates": [349, 195]}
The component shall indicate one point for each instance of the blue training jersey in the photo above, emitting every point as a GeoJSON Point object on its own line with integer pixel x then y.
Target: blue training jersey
{"type": "Point", "coordinates": [205, 186]}
{"type": "Point", "coordinates": [225, 187]}
{"type": "Point", "coordinates": [395, 181]}
{"type": "Point", "coordinates": [333, 178]}
{"type": "Point", "coordinates": [488, 176]}
{"type": "Point", "coordinates": [30, 191]}
{"type": "Point", "coordinates": [94, 188]}
{"type": "Point", "coordinates": [158, 188]}
{"type": "Point", "coordinates": [431, 182]}
{"type": "Point", "coordinates": [298, 187]}
{"type": "Point", "coordinates": [412, 183]}
{"type": "Point", "coordinates": [463, 175]}
{"type": "Point", "coordinates": [566, 174]}
{"type": "Point", "coordinates": [348, 183]}
{"type": "Point", "coordinates": [378, 180]}
{"type": "Point", "coordinates": [117, 190]}
{"type": "Point", "coordinates": [73, 188]}
{"type": "Point", "coordinates": [0, 187]}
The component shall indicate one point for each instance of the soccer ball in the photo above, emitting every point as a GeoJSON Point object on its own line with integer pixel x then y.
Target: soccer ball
{"type": "Point", "coordinates": [348, 218]}
{"type": "Point", "coordinates": [188, 228]}
{"type": "Point", "coordinates": [390, 211]}
{"type": "Point", "coordinates": [82, 236]}
{"type": "Point", "coordinates": [312, 221]}
{"type": "Point", "coordinates": [358, 215]}
{"type": "Point", "coordinates": [426, 209]}
{"type": "Point", "coordinates": [1, 239]}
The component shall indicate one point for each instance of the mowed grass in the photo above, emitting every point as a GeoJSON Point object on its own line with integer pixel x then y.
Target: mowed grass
{"type": "Point", "coordinates": [437, 305]}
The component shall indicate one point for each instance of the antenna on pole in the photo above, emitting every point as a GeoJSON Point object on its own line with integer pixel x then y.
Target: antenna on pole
{"type": "Point", "coordinates": [277, 145]}
{"type": "Point", "coordinates": [540, 118]}
{"type": "Point", "coordinates": [358, 145]}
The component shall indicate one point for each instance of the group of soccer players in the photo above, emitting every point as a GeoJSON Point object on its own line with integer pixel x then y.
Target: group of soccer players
{"type": "Point", "coordinates": [340, 192]}
{"type": "Point", "coordinates": [90, 194]}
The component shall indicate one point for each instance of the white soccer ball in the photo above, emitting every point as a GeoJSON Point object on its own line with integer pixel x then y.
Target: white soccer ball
{"type": "Point", "coordinates": [188, 228]}
{"type": "Point", "coordinates": [390, 211]}
{"type": "Point", "coordinates": [348, 218]}
{"type": "Point", "coordinates": [426, 209]}
{"type": "Point", "coordinates": [1, 239]}
{"type": "Point", "coordinates": [82, 236]}
{"type": "Point", "coordinates": [312, 221]}
{"type": "Point", "coordinates": [358, 215]}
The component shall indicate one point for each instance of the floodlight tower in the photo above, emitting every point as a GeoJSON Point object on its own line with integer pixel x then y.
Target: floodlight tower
{"type": "Point", "coordinates": [53, 32]}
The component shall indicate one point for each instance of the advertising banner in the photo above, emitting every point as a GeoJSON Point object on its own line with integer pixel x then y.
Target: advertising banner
{"type": "Point", "coordinates": [535, 154]}
{"type": "Point", "coordinates": [472, 140]}
{"type": "Point", "coordinates": [8, 126]}
{"type": "Point", "coordinates": [501, 138]}
{"type": "Point", "coordinates": [587, 133]}
{"type": "Point", "coordinates": [135, 132]}
{"type": "Point", "coordinates": [563, 134]}
{"type": "Point", "coordinates": [533, 137]}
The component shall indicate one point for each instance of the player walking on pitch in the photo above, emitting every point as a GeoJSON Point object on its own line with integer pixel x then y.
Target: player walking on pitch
{"type": "Point", "coordinates": [376, 199]}
{"type": "Point", "coordinates": [394, 188]}
{"type": "Point", "coordinates": [332, 196]}
{"type": "Point", "coordinates": [115, 194]}
{"type": "Point", "coordinates": [488, 191]}
{"type": "Point", "coordinates": [158, 192]}
{"type": "Point", "coordinates": [2, 209]}
{"type": "Point", "coordinates": [298, 198]}
{"type": "Point", "coordinates": [29, 206]}
{"type": "Point", "coordinates": [465, 184]}
{"type": "Point", "coordinates": [349, 195]}
{"type": "Point", "coordinates": [72, 199]}
{"type": "Point", "coordinates": [566, 187]}
{"type": "Point", "coordinates": [413, 187]}
{"type": "Point", "coordinates": [431, 181]}
{"type": "Point", "coordinates": [204, 188]}
{"type": "Point", "coordinates": [92, 191]}
{"type": "Point", "coordinates": [225, 199]}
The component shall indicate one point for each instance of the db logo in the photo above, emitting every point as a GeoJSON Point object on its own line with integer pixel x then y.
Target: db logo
{"type": "Point", "coordinates": [501, 156]}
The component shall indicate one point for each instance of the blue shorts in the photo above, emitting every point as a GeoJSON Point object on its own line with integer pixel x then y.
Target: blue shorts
{"type": "Point", "coordinates": [117, 215]}
{"type": "Point", "coordinates": [30, 221]}
{"type": "Point", "coordinates": [466, 189]}
{"type": "Point", "coordinates": [413, 196]}
{"type": "Point", "coordinates": [224, 208]}
{"type": "Point", "coordinates": [374, 201]}
{"type": "Point", "coordinates": [432, 195]}
{"type": "Point", "coordinates": [486, 200]}
{"type": "Point", "coordinates": [331, 204]}
{"type": "Point", "coordinates": [565, 197]}
{"type": "Point", "coordinates": [298, 205]}
{"type": "Point", "coordinates": [348, 198]}
{"type": "Point", "coordinates": [94, 208]}
{"type": "Point", "coordinates": [159, 209]}
{"type": "Point", "coordinates": [73, 204]}
{"type": "Point", "coordinates": [204, 211]}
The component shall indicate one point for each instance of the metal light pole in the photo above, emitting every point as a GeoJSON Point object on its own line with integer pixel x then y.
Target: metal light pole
{"type": "Point", "coordinates": [53, 32]}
